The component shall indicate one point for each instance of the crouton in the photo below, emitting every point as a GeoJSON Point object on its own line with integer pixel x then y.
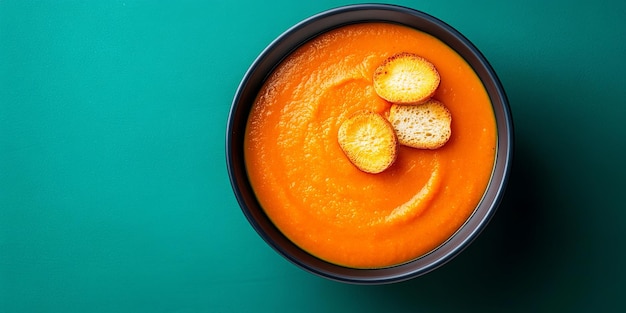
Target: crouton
{"type": "Point", "coordinates": [424, 126]}
{"type": "Point", "coordinates": [406, 78]}
{"type": "Point", "coordinates": [369, 141]}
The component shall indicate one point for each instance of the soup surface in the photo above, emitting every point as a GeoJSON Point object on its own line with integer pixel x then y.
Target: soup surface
{"type": "Point", "coordinates": [321, 201]}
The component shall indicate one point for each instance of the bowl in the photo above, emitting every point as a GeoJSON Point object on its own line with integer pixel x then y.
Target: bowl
{"type": "Point", "coordinates": [302, 32]}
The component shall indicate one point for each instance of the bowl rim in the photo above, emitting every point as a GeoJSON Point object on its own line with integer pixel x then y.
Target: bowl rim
{"type": "Point", "coordinates": [308, 29]}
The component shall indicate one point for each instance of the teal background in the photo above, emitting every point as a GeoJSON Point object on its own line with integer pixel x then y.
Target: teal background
{"type": "Point", "coordinates": [114, 193]}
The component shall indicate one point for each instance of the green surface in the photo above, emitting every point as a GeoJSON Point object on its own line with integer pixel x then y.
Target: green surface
{"type": "Point", "coordinates": [114, 194]}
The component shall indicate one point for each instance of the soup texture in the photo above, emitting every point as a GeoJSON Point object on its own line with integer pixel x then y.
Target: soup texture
{"type": "Point", "coordinates": [317, 198]}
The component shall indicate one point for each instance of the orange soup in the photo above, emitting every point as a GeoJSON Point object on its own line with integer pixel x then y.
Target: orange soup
{"type": "Point", "coordinates": [321, 201]}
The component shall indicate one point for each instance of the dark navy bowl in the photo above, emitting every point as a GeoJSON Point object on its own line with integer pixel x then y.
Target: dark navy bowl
{"type": "Point", "coordinates": [303, 32]}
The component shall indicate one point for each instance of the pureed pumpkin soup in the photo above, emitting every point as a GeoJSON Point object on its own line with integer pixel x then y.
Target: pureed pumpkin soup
{"type": "Point", "coordinates": [318, 198]}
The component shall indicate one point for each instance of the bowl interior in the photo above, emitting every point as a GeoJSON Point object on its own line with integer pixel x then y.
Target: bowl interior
{"type": "Point", "coordinates": [292, 39]}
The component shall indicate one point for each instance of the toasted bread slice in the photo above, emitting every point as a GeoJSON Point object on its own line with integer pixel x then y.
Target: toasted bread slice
{"type": "Point", "coordinates": [406, 78]}
{"type": "Point", "coordinates": [369, 141]}
{"type": "Point", "coordinates": [424, 126]}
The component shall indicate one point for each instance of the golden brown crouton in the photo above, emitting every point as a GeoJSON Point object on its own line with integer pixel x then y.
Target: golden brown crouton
{"type": "Point", "coordinates": [406, 78]}
{"type": "Point", "coordinates": [369, 141]}
{"type": "Point", "coordinates": [424, 126]}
